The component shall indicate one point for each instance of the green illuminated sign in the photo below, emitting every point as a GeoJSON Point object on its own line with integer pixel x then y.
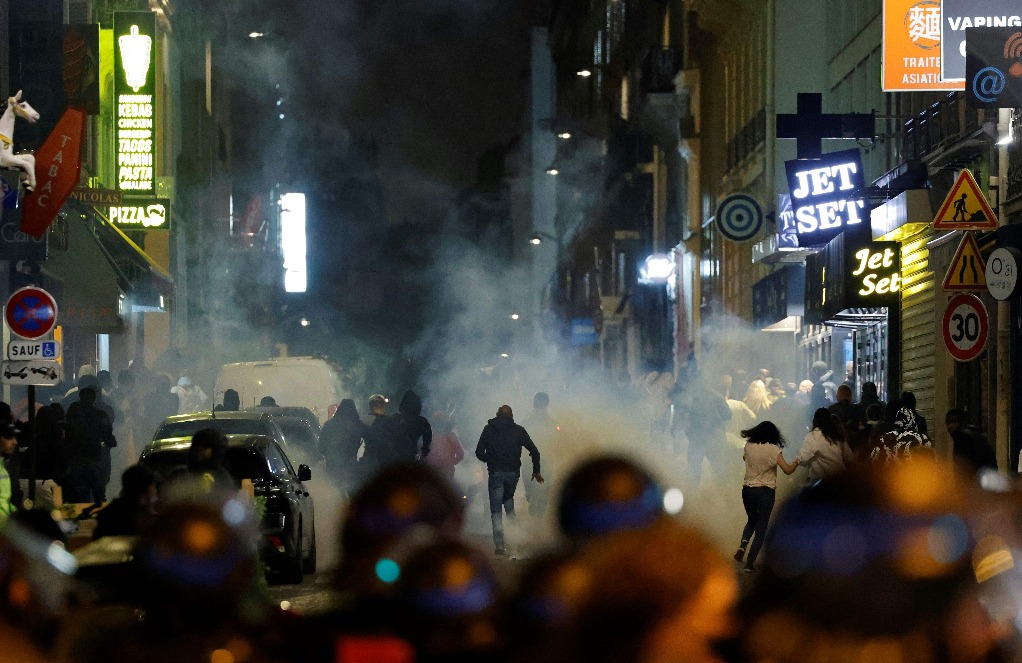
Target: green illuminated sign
{"type": "Point", "coordinates": [135, 92]}
{"type": "Point", "coordinates": [147, 214]}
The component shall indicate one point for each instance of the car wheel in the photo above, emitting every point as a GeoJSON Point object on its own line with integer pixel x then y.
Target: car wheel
{"type": "Point", "coordinates": [292, 571]}
{"type": "Point", "coordinates": [309, 567]}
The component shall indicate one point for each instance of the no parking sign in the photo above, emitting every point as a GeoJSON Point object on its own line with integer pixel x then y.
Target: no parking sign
{"type": "Point", "coordinates": [31, 313]}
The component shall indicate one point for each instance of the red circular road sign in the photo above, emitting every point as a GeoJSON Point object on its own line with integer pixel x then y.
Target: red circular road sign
{"type": "Point", "coordinates": [966, 326]}
{"type": "Point", "coordinates": [31, 313]}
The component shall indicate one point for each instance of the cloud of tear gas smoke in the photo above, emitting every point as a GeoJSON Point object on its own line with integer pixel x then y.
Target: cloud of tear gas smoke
{"type": "Point", "coordinates": [481, 358]}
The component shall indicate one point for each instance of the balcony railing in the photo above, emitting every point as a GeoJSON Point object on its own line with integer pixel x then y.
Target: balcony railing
{"type": "Point", "coordinates": [942, 123]}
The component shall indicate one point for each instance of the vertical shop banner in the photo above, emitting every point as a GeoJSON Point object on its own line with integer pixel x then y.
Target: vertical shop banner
{"type": "Point", "coordinates": [957, 16]}
{"type": "Point", "coordinates": [993, 67]}
{"type": "Point", "coordinates": [135, 92]}
{"type": "Point", "coordinates": [911, 49]}
{"type": "Point", "coordinates": [58, 167]}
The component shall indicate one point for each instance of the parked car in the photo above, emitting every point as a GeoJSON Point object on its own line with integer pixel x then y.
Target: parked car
{"type": "Point", "coordinates": [288, 544]}
{"type": "Point", "coordinates": [303, 413]}
{"type": "Point", "coordinates": [301, 438]}
{"type": "Point", "coordinates": [246, 423]}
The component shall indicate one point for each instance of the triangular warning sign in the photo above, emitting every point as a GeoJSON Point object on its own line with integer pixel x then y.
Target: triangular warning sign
{"type": "Point", "coordinates": [968, 269]}
{"type": "Point", "coordinates": [965, 207]}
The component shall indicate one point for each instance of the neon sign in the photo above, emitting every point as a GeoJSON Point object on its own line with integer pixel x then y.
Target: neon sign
{"type": "Point", "coordinates": [135, 90]}
{"type": "Point", "coordinates": [877, 269]}
{"type": "Point", "coordinates": [153, 214]}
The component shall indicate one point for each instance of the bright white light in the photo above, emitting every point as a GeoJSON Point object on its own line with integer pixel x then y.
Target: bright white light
{"type": "Point", "coordinates": [234, 512]}
{"type": "Point", "coordinates": [304, 322]}
{"type": "Point", "coordinates": [657, 268]}
{"type": "Point", "coordinates": [515, 316]}
{"type": "Point", "coordinates": [674, 500]}
{"type": "Point", "coordinates": [552, 171]}
{"type": "Point", "coordinates": [585, 73]}
{"type": "Point", "coordinates": [504, 355]}
{"type": "Point", "coordinates": [281, 116]}
{"type": "Point", "coordinates": [256, 35]}
{"type": "Point", "coordinates": [1007, 139]}
{"type": "Point", "coordinates": [564, 136]}
{"type": "Point", "coordinates": [536, 240]}
{"type": "Point", "coordinates": [292, 241]}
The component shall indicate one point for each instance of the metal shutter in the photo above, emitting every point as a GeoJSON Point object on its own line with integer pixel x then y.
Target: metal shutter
{"type": "Point", "coordinates": [918, 328]}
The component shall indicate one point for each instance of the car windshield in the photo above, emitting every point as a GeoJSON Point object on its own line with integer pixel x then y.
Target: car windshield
{"type": "Point", "coordinates": [225, 426]}
{"type": "Point", "coordinates": [241, 462]}
{"type": "Point", "coordinates": [298, 433]}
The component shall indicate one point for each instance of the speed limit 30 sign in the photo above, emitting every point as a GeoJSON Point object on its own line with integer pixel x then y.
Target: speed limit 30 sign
{"type": "Point", "coordinates": [966, 327]}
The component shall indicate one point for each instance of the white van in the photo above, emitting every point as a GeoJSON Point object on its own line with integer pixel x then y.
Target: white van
{"type": "Point", "coordinates": [291, 381]}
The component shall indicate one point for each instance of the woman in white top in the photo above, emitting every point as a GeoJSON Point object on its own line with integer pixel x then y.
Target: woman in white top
{"type": "Point", "coordinates": [824, 451]}
{"type": "Point", "coordinates": [762, 457]}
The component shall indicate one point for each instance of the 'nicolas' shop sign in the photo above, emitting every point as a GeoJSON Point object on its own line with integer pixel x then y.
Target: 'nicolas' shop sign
{"type": "Point", "coordinates": [826, 195]}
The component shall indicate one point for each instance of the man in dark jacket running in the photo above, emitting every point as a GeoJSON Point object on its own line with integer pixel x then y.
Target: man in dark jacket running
{"type": "Point", "coordinates": [500, 447]}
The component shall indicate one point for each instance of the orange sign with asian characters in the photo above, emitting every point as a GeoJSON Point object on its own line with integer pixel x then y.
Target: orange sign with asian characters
{"type": "Point", "coordinates": [911, 47]}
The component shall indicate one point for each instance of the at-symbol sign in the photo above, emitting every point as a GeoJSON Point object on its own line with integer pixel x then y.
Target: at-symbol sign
{"type": "Point", "coordinates": [988, 84]}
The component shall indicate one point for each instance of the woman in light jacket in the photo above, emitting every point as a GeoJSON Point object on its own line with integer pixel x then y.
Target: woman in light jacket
{"type": "Point", "coordinates": [762, 458]}
{"type": "Point", "coordinates": [825, 451]}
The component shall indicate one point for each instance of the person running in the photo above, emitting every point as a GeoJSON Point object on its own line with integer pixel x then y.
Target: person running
{"type": "Point", "coordinates": [763, 456]}
{"type": "Point", "coordinates": [824, 451]}
{"type": "Point", "coordinates": [500, 447]}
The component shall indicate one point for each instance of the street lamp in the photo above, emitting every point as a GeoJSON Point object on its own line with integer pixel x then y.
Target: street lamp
{"type": "Point", "coordinates": [256, 35]}
{"type": "Point", "coordinates": [584, 73]}
{"type": "Point", "coordinates": [514, 316]}
{"type": "Point", "coordinates": [552, 171]}
{"type": "Point", "coordinates": [304, 322]}
{"type": "Point", "coordinates": [564, 135]}
{"type": "Point", "coordinates": [539, 236]}
{"type": "Point", "coordinates": [657, 268]}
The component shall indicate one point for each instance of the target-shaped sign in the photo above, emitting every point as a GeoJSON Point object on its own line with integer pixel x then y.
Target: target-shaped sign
{"type": "Point", "coordinates": [966, 326]}
{"type": "Point", "coordinates": [739, 217]}
{"type": "Point", "coordinates": [31, 313]}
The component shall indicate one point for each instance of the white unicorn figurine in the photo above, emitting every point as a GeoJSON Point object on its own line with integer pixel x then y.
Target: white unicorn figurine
{"type": "Point", "coordinates": [8, 159]}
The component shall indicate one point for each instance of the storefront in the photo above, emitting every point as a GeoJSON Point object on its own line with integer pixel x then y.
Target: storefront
{"type": "Point", "coordinates": [101, 280]}
{"type": "Point", "coordinates": [853, 290]}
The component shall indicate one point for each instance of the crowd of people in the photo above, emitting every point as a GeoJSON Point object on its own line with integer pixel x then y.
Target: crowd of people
{"type": "Point", "coordinates": [88, 432]}
{"type": "Point", "coordinates": [890, 551]}
{"type": "Point", "coordinates": [900, 563]}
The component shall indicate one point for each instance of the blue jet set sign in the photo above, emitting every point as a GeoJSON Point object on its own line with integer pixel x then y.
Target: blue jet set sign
{"type": "Point", "coordinates": [826, 195]}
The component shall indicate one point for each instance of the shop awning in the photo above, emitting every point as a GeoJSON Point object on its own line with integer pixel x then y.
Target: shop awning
{"type": "Point", "coordinates": [144, 282]}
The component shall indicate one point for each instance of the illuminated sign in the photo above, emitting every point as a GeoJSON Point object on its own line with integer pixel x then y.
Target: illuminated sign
{"type": "Point", "coordinates": [135, 90]}
{"type": "Point", "coordinates": [958, 16]}
{"type": "Point", "coordinates": [825, 195]}
{"type": "Point", "coordinates": [875, 276]}
{"type": "Point", "coordinates": [993, 68]}
{"type": "Point", "coordinates": [292, 241]}
{"type": "Point", "coordinates": [151, 214]}
{"type": "Point", "coordinates": [911, 49]}
{"type": "Point", "coordinates": [851, 272]}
